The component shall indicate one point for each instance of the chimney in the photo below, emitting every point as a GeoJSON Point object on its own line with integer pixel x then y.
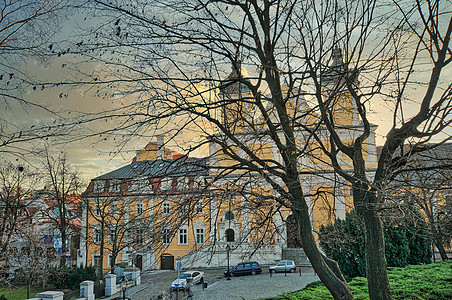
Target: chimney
{"type": "Point", "coordinates": [160, 146]}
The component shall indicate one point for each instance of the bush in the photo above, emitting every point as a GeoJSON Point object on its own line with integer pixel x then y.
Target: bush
{"type": "Point", "coordinates": [407, 241]}
{"type": "Point", "coordinates": [70, 277]}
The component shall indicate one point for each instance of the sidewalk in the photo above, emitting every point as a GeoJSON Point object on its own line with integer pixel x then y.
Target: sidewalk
{"type": "Point", "coordinates": [129, 292]}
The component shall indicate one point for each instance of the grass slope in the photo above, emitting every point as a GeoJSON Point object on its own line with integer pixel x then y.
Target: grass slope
{"type": "Point", "coordinates": [432, 281]}
{"type": "Point", "coordinates": [18, 293]}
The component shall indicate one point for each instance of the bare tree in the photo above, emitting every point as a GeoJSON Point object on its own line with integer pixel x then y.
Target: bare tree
{"type": "Point", "coordinates": [15, 181]}
{"type": "Point", "coordinates": [425, 182]}
{"type": "Point", "coordinates": [63, 184]}
{"type": "Point", "coordinates": [26, 27]}
{"type": "Point", "coordinates": [172, 59]}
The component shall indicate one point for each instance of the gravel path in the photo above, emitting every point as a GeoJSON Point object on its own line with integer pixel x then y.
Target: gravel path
{"type": "Point", "coordinates": [243, 287]}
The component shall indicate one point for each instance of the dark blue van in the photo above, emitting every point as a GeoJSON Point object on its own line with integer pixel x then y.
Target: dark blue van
{"type": "Point", "coordinates": [244, 268]}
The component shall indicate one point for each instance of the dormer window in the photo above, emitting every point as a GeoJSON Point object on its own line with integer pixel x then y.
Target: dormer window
{"type": "Point", "coordinates": [166, 184]}
{"type": "Point", "coordinates": [99, 186]}
{"type": "Point", "coordinates": [115, 186]}
{"type": "Point", "coordinates": [183, 184]}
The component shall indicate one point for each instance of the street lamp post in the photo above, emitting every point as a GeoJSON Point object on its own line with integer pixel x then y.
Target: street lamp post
{"type": "Point", "coordinates": [228, 248]}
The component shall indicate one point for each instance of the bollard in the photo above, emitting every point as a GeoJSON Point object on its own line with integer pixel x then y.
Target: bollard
{"type": "Point", "coordinates": [300, 271]}
{"type": "Point", "coordinates": [271, 273]}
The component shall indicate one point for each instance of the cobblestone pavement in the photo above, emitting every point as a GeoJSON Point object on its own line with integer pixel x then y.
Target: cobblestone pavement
{"type": "Point", "coordinates": [243, 287]}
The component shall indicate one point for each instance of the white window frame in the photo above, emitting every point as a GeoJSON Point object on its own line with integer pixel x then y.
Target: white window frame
{"type": "Point", "coordinates": [197, 182]}
{"type": "Point", "coordinates": [97, 210]}
{"type": "Point", "coordinates": [109, 260]}
{"type": "Point", "coordinates": [97, 236]}
{"type": "Point", "coordinates": [182, 236]}
{"type": "Point", "coordinates": [111, 235]}
{"type": "Point", "coordinates": [166, 184]}
{"type": "Point", "coordinates": [199, 206]}
{"type": "Point", "coordinates": [199, 236]}
{"type": "Point", "coordinates": [183, 183]}
{"type": "Point", "coordinates": [115, 186]}
{"type": "Point", "coordinates": [139, 208]}
{"type": "Point", "coordinates": [166, 208]}
{"type": "Point", "coordinates": [140, 237]}
{"type": "Point", "coordinates": [166, 236]}
{"type": "Point", "coordinates": [94, 258]}
{"type": "Point", "coordinates": [183, 207]}
{"type": "Point", "coordinates": [99, 187]}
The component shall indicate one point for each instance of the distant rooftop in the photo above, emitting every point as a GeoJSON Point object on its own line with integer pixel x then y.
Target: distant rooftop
{"type": "Point", "coordinates": [160, 168]}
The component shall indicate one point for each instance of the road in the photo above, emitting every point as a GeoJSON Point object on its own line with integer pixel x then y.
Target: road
{"type": "Point", "coordinates": [156, 285]}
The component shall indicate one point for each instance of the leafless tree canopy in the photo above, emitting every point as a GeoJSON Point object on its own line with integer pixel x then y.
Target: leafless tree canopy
{"type": "Point", "coordinates": [167, 65]}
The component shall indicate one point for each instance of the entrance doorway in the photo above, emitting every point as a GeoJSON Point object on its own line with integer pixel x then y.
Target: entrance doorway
{"type": "Point", "coordinates": [139, 262]}
{"type": "Point", "coordinates": [167, 262]}
{"type": "Point", "coordinates": [293, 237]}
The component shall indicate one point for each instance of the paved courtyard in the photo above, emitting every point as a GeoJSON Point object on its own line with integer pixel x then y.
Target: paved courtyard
{"type": "Point", "coordinates": [243, 287]}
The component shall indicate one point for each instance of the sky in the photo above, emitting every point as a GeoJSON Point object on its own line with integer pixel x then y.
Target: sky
{"type": "Point", "coordinates": [96, 156]}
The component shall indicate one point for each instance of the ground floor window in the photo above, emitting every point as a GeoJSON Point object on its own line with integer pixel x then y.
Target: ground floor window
{"type": "Point", "coordinates": [183, 240]}
{"type": "Point", "coordinates": [200, 236]}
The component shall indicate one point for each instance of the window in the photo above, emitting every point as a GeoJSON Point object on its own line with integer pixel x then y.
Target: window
{"type": "Point", "coordinates": [166, 236]}
{"type": "Point", "coordinates": [110, 261]}
{"type": "Point", "coordinates": [183, 236]}
{"type": "Point", "coordinates": [111, 235]}
{"type": "Point", "coordinates": [198, 207]}
{"type": "Point", "coordinates": [166, 208]}
{"type": "Point", "coordinates": [96, 236]}
{"type": "Point", "coordinates": [114, 208]}
{"type": "Point", "coordinates": [341, 104]}
{"type": "Point", "coordinates": [230, 235]}
{"type": "Point", "coordinates": [197, 182]}
{"type": "Point", "coordinates": [182, 207]}
{"type": "Point", "coordinates": [166, 184]}
{"type": "Point", "coordinates": [183, 184]}
{"type": "Point", "coordinates": [98, 187]}
{"type": "Point", "coordinates": [200, 236]}
{"type": "Point", "coordinates": [139, 237]}
{"type": "Point", "coordinates": [97, 210]}
{"type": "Point", "coordinates": [115, 186]}
{"type": "Point", "coordinates": [229, 215]}
{"type": "Point", "coordinates": [96, 260]}
{"type": "Point", "coordinates": [139, 208]}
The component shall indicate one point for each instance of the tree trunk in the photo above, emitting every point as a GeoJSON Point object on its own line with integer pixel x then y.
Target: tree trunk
{"type": "Point", "coordinates": [376, 266]}
{"type": "Point", "coordinates": [338, 288]}
{"type": "Point", "coordinates": [438, 240]}
{"type": "Point", "coordinates": [442, 251]}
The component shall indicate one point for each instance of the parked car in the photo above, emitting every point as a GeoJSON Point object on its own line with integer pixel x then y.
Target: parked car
{"type": "Point", "coordinates": [284, 266]}
{"type": "Point", "coordinates": [186, 278]}
{"type": "Point", "coordinates": [244, 268]}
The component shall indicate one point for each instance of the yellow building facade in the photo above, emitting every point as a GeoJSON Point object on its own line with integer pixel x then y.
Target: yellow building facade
{"type": "Point", "coordinates": [203, 211]}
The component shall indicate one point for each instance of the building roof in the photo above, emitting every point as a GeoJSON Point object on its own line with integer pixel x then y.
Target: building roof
{"type": "Point", "coordinates": [160, 168]}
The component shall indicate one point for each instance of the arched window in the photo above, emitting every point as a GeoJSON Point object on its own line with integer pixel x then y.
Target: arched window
{"type": "Point", "coordinates": [230, 235]}
{"type": "Point", "coordinates": [229, 215]}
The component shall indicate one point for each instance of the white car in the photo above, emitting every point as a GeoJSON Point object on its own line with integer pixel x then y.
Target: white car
{"type": "Point", "coordinates": [284, 266]}
{"type": "Point", "coordinates": [186, 278]}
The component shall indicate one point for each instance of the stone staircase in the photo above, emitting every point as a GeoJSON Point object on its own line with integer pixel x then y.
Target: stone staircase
{"type": "Point", "coordinates": [297, 255]}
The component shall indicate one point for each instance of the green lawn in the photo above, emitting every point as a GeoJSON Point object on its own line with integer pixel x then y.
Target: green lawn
{"type": "Point", "coordinates": [432, 281]}
{"type": "Point", "coordinates": [18, 293]}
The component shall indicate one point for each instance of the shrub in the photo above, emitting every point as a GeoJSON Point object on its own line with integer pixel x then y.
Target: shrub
{"type": "Point", "coordinates": [407, 241]}
{"type": "Point", "coordinates": [70, 277]}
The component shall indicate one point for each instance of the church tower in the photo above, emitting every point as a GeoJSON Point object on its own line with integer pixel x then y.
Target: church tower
{"type": "Point", "coordinates": [236, 103]}
{"type": "Point", "coordinates": [336, 81]}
